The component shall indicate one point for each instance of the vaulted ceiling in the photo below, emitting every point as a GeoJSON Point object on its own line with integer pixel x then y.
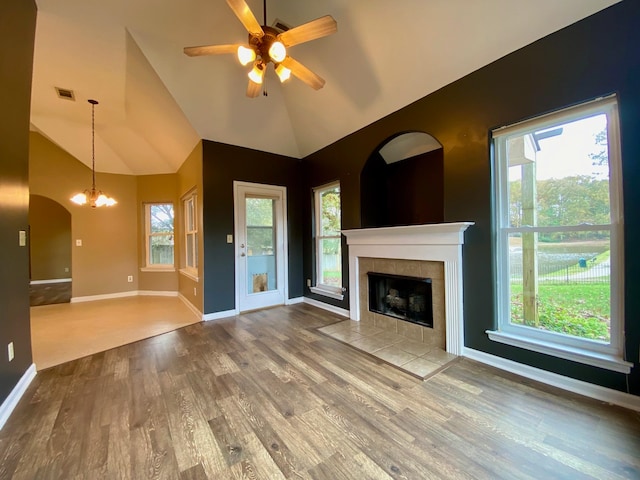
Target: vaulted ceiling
{"type": "Point", "coordinates": [156, 103]}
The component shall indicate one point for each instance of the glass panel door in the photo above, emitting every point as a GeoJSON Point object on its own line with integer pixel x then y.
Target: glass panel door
{"type": "Point", "coordinates": [261, 241]}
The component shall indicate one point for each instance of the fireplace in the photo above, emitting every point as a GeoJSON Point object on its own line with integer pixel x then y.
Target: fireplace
{"type": "Point", "coordinates": [402, 297]}
{"type": "Point", "coordinates": [424, 251]}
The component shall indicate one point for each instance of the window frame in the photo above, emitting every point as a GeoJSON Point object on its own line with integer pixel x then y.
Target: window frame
{"type": "Point", "coordinates": [318, 287]}
{"type": "Point", "coordinates": [609, 356]}
{"type": "Point", "coordinates": [190, 201]}
{"type": "Point", "coordinates": [157, 267]}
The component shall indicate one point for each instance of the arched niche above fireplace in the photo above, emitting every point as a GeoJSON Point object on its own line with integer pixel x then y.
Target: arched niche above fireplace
{"type": "Point", "coordinates": [402, 182]}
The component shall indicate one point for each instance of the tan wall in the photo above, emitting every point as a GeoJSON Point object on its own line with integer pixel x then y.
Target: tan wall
{"type": "Point", "coordinates": [190, 176]}
{"type": "Point", "coordinates": [49, 239]}
{"type": "Point", "coordinates": [109, 235]}
{"type": "Point", "coordinates": [157, 189]}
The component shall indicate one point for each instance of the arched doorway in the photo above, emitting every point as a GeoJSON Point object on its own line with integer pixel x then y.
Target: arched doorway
{"type": "Point", "coordinates": [49, 251]}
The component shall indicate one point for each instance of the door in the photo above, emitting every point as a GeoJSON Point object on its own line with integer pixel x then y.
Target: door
{"type": "Point", "coordinates": [260, 246]}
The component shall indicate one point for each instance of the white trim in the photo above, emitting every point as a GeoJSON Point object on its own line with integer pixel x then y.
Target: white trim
{"type": "Point", "coordinates": [575, 354]}
{"type": "Point", "coordinates": [150, 267]}
{"type": "Point", "coordinates": [294, 301]}
{"type": "Point", "coordinates": [106, 296]}
{"type": "Point", "coordinates": [132, 293]}
{"type": "Point", "coordinates": [16, 394]}
{"type": "Point", "coordinates": [607, 355]}
{"type": "Point", "coordinates": [53, 280]}
{"type": "Point", "coordinates": [438, 242]}
{"type": "Point", "coordinates": [590, 390]}
{"type": "Point", "coordinates": [326, 306]}
{"type": "Point", "coordinates": [188, 272]}
{"type": "Point", "coordinates": [191, 306]}
{"type": "Point", "coordinates": [327, 293]}
{"type": "Point", "coordinates": [158, 269]}
{"type": "Point", "coordinates": [217, 315]}
{"type": "Point", "coordinates": [278, 192]}
{"type": "Point", "coordinates": [157, 293]}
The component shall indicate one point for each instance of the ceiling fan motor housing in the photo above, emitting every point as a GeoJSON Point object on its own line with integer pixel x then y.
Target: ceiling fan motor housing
{"type": "Point", "coordinates": [263, 44]}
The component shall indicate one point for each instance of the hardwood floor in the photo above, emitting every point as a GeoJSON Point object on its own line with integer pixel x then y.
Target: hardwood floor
{"type": "Point", "coordinates": [266, 396]}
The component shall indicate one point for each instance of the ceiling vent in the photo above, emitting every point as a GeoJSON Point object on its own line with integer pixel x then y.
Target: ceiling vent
{"type": "Point", "coordinates": [65, 93]}
{"type": "Point", "coordinates": [280, 25]}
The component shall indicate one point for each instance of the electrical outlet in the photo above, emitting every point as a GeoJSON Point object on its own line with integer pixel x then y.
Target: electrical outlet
{"type": "Point", "coordinates": [308, 282]}
{"type": "Point", "coordinates": [10, 352]}
{"type": "Point", "coordinates": [130, 278]}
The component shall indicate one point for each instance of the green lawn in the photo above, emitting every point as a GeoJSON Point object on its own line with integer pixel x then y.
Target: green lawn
{"type": "Point", "coordinates": [579, 310]}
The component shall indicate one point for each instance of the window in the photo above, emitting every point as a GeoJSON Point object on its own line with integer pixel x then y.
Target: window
{"type": "Point", "coordinates": [558, 219]}
{"type": "Point", "coordinates": [328, 240]}
{"type": "Point", "coordinates": [190, 232]}
{"type": "Point", "coordinates": [159, 236]}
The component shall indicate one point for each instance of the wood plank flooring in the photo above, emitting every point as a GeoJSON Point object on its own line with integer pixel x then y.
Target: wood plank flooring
{"type": "Point", "coordinates": [266, 396]}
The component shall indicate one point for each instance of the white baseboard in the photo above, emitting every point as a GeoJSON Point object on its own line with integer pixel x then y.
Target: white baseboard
{"type": "Point", "coordinates": [16, 394]}
{"type": "Point", "coordinates": [597, 392]}
{"type": "Point", "coordinates": [157, 293]}
{"type": "Point", "coordinates": [326, 306]}
{"type": "Point", "coordinates": [217, 315]}
{"type": "Point", "coordinates": [294, 301]}
{"type": "Point", "coordinates": [106, 296]}
{"type": "Point", "coordinates": [191, 306]}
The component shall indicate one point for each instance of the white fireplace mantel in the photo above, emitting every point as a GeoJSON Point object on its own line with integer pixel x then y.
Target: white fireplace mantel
{"type": "Point", "coordinates": [439, 242]}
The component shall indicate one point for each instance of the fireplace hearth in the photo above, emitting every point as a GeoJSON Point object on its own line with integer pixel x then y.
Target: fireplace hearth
{"type": "Point", "coordinates": [402, 297]}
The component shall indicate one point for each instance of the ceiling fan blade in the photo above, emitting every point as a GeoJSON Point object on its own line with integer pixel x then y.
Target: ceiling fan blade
{"type": "Point", "coordinates": [318, 28]}
{"type": "Point", "coordinates": [253, 89]}
{"type": "Point", "coordinates": [210, 50]}
{"type": "Point", "coordinates": [303, 73]}
{"type": "Point", "coordinates": [245, 15]}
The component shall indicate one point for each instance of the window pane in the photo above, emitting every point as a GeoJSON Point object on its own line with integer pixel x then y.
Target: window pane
{"type": "Point", "coordinates": [161, 248]}
{"type": "Point", "coordinates": [190, 215]}
{"type": "Point", "coordinates": [259, 212]}
{"type": "Point", "coordinates": [330, 262]}
{"type": "Point", "coordinates": [559, 176]}
{"type": "Point", "coordinates": [330, 212]}
{"type": "Point", "coordinates": [161, 218]}
{"type": "Point", "coordinates": [561, 283]}
{"type": "Point", "coordinates": [191, 252]}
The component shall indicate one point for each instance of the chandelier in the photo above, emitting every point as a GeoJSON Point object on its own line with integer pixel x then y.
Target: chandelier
{"type": "Point", "coordinates": [93, 197]}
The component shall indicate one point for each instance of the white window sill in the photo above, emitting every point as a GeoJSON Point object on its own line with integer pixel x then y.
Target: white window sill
{"type": "Point", "coordinates": [190, 273]}
{"type": "Point", "coordinates": [158, 269]}
{"type": "Point", "coordinates": [580, 355]}
{"type": "Point", "coordinates": [327, 293]}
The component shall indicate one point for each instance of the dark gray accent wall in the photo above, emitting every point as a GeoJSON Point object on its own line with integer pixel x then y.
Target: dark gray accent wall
{"type": "Point", "coordinates": [591, 58]}
{"type": "Point", "coordinates": [17, 34]}
{"type": "Point", "coordinates": [222, 164]}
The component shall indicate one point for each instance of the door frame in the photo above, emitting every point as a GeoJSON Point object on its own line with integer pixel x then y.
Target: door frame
{"type": "Point", "coordinates": [266, 190]}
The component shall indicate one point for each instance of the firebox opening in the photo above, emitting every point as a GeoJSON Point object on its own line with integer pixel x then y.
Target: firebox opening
{"type": "Point", "coordinates": [398, 296]}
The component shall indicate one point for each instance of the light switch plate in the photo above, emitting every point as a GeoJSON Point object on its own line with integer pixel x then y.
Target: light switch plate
{"type": "Point", "coordinates": [229, 238]}
{"type": "Point", "coordinates": [22, 238]}
{"type": "Point", "coordinates": [78, 242]}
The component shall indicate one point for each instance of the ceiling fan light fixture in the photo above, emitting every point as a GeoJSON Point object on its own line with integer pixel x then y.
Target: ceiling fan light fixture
{"type": "Point", "coordinates": [257, 73]}
{"type": "Point", "coordinates": [283, 73]}
{"type": "Point", "coordinates": [246, 55]}
{"type": "Point", "coordinates": [277, 51]}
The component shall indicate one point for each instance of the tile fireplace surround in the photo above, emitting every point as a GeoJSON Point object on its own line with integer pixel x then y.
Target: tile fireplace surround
{"type": "Point", "coordinates": [431, 250]}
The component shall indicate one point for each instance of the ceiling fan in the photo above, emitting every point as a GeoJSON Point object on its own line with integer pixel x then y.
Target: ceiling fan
{"type": "Point", "coordinates": [268, 44]}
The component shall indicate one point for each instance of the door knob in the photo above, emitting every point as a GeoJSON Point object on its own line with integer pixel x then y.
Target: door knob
{"type": "Point", "coordinates": [242, 254]}
{"type": "Point", "coordinates": [242, 245]}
